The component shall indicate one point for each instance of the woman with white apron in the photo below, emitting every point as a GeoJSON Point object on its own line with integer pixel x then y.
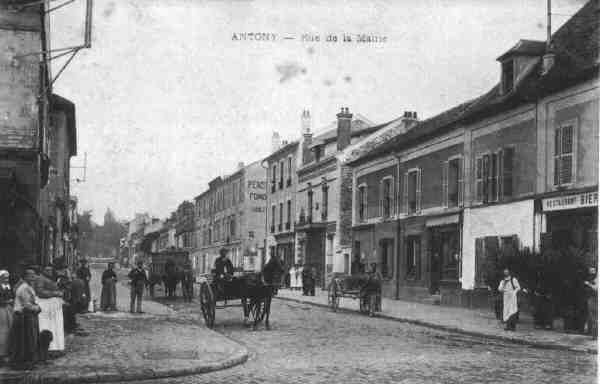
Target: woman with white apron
{"type": "Point", "coordinates": [51, 302]}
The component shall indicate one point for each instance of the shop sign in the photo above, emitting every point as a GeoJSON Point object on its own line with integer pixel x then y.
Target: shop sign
{"type": "Point", "coordinates": [581, 200]}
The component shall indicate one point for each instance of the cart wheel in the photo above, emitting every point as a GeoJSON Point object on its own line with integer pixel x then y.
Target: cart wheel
{"type": "Point", "coordinates": [207, 304]}
{"type": "Point", "coordinates": [333, 296]}
{"type": "Point", "coordinates": [257, 311]}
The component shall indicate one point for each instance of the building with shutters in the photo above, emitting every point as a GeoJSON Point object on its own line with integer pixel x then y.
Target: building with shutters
{"type": "Point", "coordinates": [282, 181]}
{"type": "Point", "coordinates": [231, 215]}
{"type": "Point", "coordinates": [324, 194]}
{"type": "Point", "coordinates": [514, 168]}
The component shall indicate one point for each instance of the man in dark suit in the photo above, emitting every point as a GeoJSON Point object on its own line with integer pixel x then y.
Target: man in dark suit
{"type": "Point", "coordinates": [138, 283]}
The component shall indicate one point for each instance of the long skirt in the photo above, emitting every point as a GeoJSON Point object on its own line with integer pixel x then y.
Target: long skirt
{"type": "Point", "coordinates": [108, 298]}
{"type": "Point", "coordinates": [6, 320]}
{"type": "Point", "coordinates": [24, 338]}
{"type": "Point", "coordinates": [51, 319]}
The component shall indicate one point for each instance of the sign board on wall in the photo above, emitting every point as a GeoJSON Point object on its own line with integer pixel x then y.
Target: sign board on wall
{"type": "Point", "coordinates": [580, 200]}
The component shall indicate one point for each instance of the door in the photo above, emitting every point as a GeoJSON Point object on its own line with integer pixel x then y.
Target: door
{"type": "Point", "coordinates": [435, 261]}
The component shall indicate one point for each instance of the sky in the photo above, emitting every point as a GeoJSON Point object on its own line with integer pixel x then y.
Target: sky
{"type": "Point", "coordinates": [171, 94]}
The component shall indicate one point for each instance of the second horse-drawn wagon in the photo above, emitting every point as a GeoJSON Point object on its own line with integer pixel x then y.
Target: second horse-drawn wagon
{"type": "Point", "coordinates": [364, 287]}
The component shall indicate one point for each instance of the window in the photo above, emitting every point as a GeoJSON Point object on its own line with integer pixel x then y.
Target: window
{"type": "Point", "coordinates": [241, 193]}
{"type": "Point", "coordinates": [289, 215]}
{"type": "Point", "coordinates": [563, 154]}
{"type": "Point", "coordinates": [289, 167]}
{"type": "Point", "coordinates": [452, 183]}
{"type": "Point", "coordinates": [386, 197]}
{"type": "Point", "coordinates": [506, 176]}
{"type": "Point", "coordinates": [386, 248]}
{"type": "Point", "coordinates": [281, 170]}
{"type": "Point", "coordinates": [507, 76]}
{"type": "Point", "coordinates": [362, 202]}
{"type": "Point", "coordinates": [234, 193]}
{"type": "Point", "coordinates": [324, 198]}
{"type": "Point", "coordinates": [273, 212]}
{"type": "Point", "coordinates": [412, 191]}
{"type": "Point", "coordinates": [346, 263]}
{"type": "Point", "coordinates": [310, 206]}
{"type": "Point", "coordinates": [274, 178]}
{"type": "Point", "coordinates": [413, 257]}
{"type": "Point", "coordinates": [356, 250]}
{"type": "Point", "coordinates": [280, 217]}
{"type": "Point", "coordinates": [232, 227]}
{"type": "Point", "coordinates": [493, 176]}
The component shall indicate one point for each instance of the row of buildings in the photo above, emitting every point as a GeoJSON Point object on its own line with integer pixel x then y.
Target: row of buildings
{"type": "Point", "coordinates": [37, 140]}
{"type": "Point", "coordinates": [426, 200]}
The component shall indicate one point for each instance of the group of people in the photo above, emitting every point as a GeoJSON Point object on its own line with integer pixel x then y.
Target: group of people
{"type": "Point", "coordinates": [302, 277]}
{"type": "Point", "coordinates": [37, 307]}
{"type": "Point", "coordinates": [507, 309]}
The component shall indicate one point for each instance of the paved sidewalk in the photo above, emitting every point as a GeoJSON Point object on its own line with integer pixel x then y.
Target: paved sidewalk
{"type": "Point", "coordinates": [467, 321]}
{"type": "Point", "coordinates": [120, 346]}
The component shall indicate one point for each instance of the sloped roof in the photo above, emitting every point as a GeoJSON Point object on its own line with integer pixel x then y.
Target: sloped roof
{"type": "Point", "coordinates": [575, 45]}
{"type": "Point", "coordinates": [525, 48]}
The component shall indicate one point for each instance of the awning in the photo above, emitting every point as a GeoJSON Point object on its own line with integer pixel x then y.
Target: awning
{"type": "Point", "coordinates": [442, 220]}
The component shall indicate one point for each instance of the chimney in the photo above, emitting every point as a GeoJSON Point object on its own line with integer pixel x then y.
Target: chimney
{"type": "Point", "coordinates": [305, 122]}
{"type": "Point", "coordinates": [548, 61]}
{"type": "Point", "coordinates": [307, 154]}
{"type": "Point", "coordinates": [240, 165]}
{"type": "Point", "coordinates": [344, 128]}
{"type": "Point", "coordinates": [275, 142]}
{"type": "Point", "coordinates": [409, 118]}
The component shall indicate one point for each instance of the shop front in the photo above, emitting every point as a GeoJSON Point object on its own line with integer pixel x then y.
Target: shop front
{"type": "Point", "coordinates": [444, 257]}
{"type": "Point", "coordinates": [571, 221]}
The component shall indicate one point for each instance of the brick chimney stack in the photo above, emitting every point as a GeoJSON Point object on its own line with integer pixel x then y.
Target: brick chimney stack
{"type": "Point", "coordinates": [275, 142]}
{"type": "Point", "coordinates": [344, 128]}
{"type": "Point", "coordinates": [305, 123]}
{"type": "Point", "coordinates": [410, 118]}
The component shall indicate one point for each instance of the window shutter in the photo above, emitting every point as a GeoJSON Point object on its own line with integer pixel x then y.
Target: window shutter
{"type": "Point", "coordinates": [486, 178]}
{"type": "Point", "coordinates": [405, 197]}
{"type": "Point", "coordinates": [445, 184]}
{"type": "Point", "coordinates": [479, 179]}
{"type": "Point", "coordinates": [479, 261]}
{"type": "Point", "coordinates": [419, 179]}
{"type": "Point", "coordinates": [460, 183]}
{"type": "Point", "coordinates": [507, 171]}
{"type": "Point", "coordinates": [566, 166]}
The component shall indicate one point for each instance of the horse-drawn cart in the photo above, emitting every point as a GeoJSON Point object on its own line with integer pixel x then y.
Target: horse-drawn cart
{"type": "Point", "coordinates": [254, 295]}
{"type": "Point", "coordinates": [364, 287]}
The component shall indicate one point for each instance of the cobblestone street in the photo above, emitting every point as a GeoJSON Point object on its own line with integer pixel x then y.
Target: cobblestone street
{"type": "Point", "coordinates": [308, 344]}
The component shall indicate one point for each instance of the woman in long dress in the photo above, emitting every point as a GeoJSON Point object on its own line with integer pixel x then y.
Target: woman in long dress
{"type": "Point", "coordinates": [6, 315]}
{"type": "Point", "coordinates": [108, 298]}
{"type": "Point", "coordinates": [509, 286]}
{"type": "Point", "coordinates": [50, 300]}
{"type": "Point", "coordinates": [25, 328]}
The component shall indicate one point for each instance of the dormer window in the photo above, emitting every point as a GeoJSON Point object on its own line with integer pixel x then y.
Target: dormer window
{"type": "Point", "coordinates": [508, 76]}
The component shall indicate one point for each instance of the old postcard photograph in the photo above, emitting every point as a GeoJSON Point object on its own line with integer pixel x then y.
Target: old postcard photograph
{"type": "Point", "coordinates": [259, 191]}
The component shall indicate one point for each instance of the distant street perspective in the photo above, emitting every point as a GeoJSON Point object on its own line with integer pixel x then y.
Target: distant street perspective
{"type": "Point", "coordinates": [248, 192]}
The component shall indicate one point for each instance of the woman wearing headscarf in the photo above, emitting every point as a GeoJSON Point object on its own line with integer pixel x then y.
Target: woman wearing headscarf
{"type": "Point", "coordinates": [25, 328]}
{"type": "Point", "coordinates": [6, 314]}
{"type": "Point", "coordinates": [509, 287]}
{"type": "Point", "coordinates": [108, 298]}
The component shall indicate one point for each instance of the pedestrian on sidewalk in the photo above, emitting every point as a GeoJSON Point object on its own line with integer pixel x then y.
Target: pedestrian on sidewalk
{"type": "Point", "coordinates": [187, 282]}
{"type": "Point", "coordinates": [83, 272]}
{"type": "Point", "coordinates": [25, 328]}
{"type": "Point", "coordinates": [591, 285]}
{"type": "Point", "coordinates": [108, 296]}
{"type": "Point", "coordinates": [138, 282]}
{"type": "Point", "coordinates": [6, 314]}
{"type": "Point", "coordinates": [509, 287]}
{"type": "Point", "coordinates": [50, 301]}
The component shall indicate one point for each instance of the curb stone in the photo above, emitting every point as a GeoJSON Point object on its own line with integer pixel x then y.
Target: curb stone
{"type": "Point", "coordinates": [514, 340]}
{"type": "Point", "coordinates": [139, 374]}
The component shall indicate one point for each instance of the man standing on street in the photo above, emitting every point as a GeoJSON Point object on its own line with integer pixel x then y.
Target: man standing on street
{"type": "Point", "coordinates": [138, 282]}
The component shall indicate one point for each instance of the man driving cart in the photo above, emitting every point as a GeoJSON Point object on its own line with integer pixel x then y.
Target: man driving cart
{"type": "Point", "coordinates": [223, 271]}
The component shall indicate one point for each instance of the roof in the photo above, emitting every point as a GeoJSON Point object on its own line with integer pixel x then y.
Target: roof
{"type": "Point", "coordinates": [282, 149]}
{"type": "Point", "coordinates": [422, 129]}
{"type": "Point", "coordinates": [360, 125]}
{"type": "Point", "coordinates": [575, 45]}
{"type": "Point", "coordinates": [59, 103]}
{"type": "Point", "coordinates": [525, 48]}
